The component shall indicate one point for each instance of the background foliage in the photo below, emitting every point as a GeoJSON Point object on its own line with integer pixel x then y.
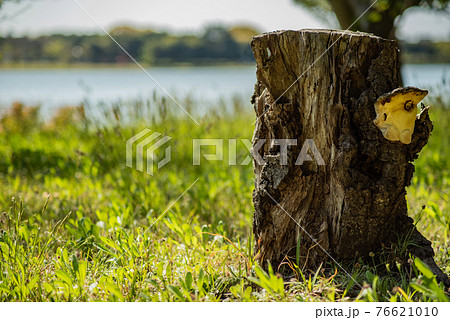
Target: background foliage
{"type": "Point", "coordinates": [217, 45]}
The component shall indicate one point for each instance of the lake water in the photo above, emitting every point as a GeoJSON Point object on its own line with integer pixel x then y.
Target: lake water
{"type": "Point", "coordinates": [52, 88]}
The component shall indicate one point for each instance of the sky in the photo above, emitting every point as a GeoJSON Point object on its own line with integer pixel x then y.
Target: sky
{"type": "Point", "coordinates": [35, 17]}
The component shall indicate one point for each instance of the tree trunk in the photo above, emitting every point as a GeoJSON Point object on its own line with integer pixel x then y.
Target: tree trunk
{"type": "Point", "coordinates": [319, 87]}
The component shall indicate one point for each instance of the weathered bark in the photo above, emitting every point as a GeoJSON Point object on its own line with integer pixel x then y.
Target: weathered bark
{"type": "Point", "coordinates": [354, 204]}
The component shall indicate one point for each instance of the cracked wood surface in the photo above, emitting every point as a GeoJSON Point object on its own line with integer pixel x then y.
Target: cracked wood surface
{"type": "Point", "coordinates": [322, 85]}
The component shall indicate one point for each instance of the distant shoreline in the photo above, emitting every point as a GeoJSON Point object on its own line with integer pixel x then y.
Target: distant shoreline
{"type": "Point", "coordinates": [131, 65]}
{"type": "Point", "coordinates": [44, 65]}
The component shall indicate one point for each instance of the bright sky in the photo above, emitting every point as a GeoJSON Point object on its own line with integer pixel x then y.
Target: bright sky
{"type": "Point", "coordinates": [32, 17]}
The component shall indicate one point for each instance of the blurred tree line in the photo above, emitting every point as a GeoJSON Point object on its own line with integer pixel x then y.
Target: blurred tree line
{"type": "Point", "coordinates": [215, 45]}
{"type": "Point", "coordinates": [425, 51]}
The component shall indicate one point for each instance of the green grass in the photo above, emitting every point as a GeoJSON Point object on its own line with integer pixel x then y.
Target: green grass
{"type": "Point", "coordinates": [78, 225]}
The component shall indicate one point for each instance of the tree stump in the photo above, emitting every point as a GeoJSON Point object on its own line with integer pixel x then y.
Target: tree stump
{"type": "Point", "coordinates": [322, 86]}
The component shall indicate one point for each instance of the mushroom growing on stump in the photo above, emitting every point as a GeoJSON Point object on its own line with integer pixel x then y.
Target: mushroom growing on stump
{"type": "Point", "coordinates": [396, 113]}
{"type": "Point", "coordinates": [323, 86]}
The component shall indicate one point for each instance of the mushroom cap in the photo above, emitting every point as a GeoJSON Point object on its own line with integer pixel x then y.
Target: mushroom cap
{"type": "Point", "coordinates": [396, 98]}
{"type": "Point", "coordinates": [396, 113]}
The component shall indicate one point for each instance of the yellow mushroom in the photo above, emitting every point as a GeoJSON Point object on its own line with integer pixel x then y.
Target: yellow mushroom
{"type": "Point", "coordinates": [396, 113]}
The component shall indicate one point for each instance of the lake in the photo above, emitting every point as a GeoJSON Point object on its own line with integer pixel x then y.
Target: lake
{"type": "Point", "coordinates": [53, 88]}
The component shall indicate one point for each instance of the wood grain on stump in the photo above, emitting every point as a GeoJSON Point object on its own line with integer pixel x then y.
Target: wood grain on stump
{"type": "Point", "coordinates": [322, 85]}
